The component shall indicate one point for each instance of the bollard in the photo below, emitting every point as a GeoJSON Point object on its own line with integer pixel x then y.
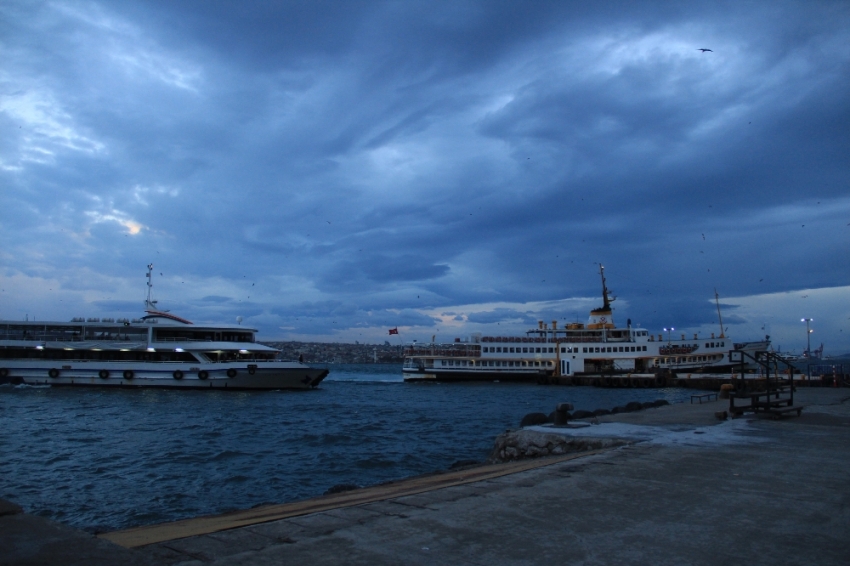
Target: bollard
{"type": "Point", "coordinates": [562, 413]}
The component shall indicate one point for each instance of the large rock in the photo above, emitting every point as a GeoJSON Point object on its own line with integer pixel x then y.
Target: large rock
{"type": "Point", "coordinates": [532, 419]}
{"type": "Point", "coordinates": [522, 444]}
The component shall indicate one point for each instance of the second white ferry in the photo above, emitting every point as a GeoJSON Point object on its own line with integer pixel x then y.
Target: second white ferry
{"type": "Point", "coordinates": [596, 348]}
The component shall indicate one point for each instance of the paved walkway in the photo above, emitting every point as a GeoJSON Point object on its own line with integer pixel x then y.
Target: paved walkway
{"type": "Point", "coordinates": [690, 490]}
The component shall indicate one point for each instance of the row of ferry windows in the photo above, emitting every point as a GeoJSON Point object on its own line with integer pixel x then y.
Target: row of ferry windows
{"type": "Point", "coordinates": [564, 349]}
{"type": "Point", "coordinates": [518, 350]}
{"type": "Point", "coordinates": [601, 349]}
{"type": "Point", "coordinates": [496, 363]}
{"type": "Point", "coordinates": [688, 359]}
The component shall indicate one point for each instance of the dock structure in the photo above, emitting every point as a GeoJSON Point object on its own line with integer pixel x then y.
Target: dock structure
{"type": "Point", "coordinates": [685, 488]}
{"type": "Point", "coordinates": [827, 376]}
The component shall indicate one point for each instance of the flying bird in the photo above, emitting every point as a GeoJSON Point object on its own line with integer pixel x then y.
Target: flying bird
{"type": "Point", "coordinates": [703, 49]}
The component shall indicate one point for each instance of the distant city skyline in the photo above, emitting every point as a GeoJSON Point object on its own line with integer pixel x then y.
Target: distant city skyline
{"type": "Point", "coordinates": [328, 171]}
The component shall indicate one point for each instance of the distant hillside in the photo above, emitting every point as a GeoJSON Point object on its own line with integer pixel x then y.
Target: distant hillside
{"type": "Point", "coordinates": [337, 353]}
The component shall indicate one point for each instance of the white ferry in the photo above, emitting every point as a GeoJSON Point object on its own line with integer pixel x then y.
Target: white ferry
{"type": "Point", "coordinates": [548, 352]}
{"type": "Point", "coordinates": [157, 350]}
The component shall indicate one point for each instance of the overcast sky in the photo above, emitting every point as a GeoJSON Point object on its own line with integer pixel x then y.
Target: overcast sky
{"type": "Point", "coordinates": [330, 170]}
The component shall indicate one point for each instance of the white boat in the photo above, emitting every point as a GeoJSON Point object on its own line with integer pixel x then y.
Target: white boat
{"type": "Point", "coordinates": [157, 350]}
{"type": "Point", "coordinates": [598, 347]}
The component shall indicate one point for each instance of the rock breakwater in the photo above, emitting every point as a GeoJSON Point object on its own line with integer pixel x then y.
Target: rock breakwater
{"type": "Point", "coordinates": [522, 444]}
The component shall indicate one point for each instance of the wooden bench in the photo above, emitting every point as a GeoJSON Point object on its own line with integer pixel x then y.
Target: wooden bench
{"type": "Point", "coordinates": [703, 396]}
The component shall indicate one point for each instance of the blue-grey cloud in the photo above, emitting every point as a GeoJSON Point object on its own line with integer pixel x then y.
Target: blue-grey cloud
{"type": "Point", "coordinates": [321, 167]}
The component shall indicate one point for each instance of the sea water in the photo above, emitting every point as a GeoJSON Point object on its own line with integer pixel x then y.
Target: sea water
{"type": "Point", "coordinates": [107, 459]}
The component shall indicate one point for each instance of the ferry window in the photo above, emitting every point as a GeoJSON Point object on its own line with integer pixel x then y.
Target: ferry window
{"type": "Point", "coordinates": [644, 348]}
{"type": "Point", "coordinates": [525, 350]}
{"type": "Point", "coordinates": [499, 349]}
{"type": "Point", "coordinates": [563, 350]}
{"type": "Point", "coordinates": [551, 350]}
{"type": "Point", "coordinates": [721, 344]}
{"type": "Point", "coordinates": [538, 350]}
{"type": "Point", "coordinates": [511, 350]}
{"type": "Point", "coordinates": [584, 350]}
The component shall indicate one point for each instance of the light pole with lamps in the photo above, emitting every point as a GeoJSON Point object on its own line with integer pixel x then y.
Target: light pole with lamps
{"type": "Point", "coordinates": [808, 337]}
{"type": "Point", "coordinates": [668, 331]}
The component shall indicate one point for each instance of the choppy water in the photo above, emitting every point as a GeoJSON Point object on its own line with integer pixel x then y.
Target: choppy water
{"type": "Point", "coordinates": [109, 459]}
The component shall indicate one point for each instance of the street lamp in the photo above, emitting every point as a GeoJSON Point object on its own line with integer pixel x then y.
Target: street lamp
{"type": "Point", "coordinates": [808, 336]}
{"type": "Point", "coordinates": [668, 331]}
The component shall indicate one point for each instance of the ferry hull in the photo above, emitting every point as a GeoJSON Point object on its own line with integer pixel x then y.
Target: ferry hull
{"type": "Point", "coordinates": [426, 376]}
{"type": "Point", "coordinates": [293, 376]}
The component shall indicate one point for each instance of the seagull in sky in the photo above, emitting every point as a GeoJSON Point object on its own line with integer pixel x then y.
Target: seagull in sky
{"type": "Point", "coordinates": [703, 49]}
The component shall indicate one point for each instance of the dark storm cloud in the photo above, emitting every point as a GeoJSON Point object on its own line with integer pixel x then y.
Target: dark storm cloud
{"type": "Point", "coordinates": [215, 299]}
{"type": "Point", "coordinates": [500, 315]}
{"type": "Point", "coordinates": [356, 164]}
{"type": "Point", "coordinates": [117, 306]}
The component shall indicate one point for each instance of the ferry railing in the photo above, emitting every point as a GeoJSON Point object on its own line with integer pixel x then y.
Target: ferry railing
{"type": "Point", "coordinates": [63, 338]}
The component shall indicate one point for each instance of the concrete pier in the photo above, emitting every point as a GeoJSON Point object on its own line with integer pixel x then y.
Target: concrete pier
{"type": "Point", "coordinates": [687, 489]}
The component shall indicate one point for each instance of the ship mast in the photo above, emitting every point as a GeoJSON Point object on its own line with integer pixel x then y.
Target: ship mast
{"type": "Point", "coordinates": [603, 316]}
{"type": "Point", "coordinates": [150, 304]}
{"type": "Point", "coordinates": [720, 318]}
{"type": "Point", "coordinates": [605, 299]}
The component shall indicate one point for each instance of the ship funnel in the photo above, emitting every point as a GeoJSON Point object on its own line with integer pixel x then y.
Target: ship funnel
{"type": "Point", "coordinates": [540, 325]}
{"type": "Point", "coordinates": [554, 325]}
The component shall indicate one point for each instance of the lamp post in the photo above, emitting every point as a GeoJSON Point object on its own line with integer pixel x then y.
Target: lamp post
{"type": "Point", "coordinates": [808, 337]}
{"type": "Point", "coordinates": [668, 331]}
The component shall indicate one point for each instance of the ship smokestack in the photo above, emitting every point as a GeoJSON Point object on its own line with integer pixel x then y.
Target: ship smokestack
{"type": "Point", "coordinates": [554, 325]}
{"type": "Point", "coordinates": [540, 325]}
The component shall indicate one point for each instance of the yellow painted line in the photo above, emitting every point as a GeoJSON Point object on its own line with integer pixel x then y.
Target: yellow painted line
{"type": "Point", "coordinates": [151, 534]}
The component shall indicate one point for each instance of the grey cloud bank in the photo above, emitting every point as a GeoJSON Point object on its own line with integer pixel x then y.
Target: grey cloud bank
{"type": "Point", "coordinates": [329, 170]}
